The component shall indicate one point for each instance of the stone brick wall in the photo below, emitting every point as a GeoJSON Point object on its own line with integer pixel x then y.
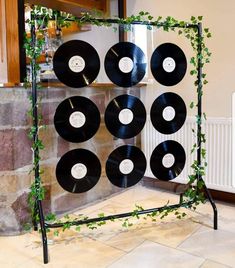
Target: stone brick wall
{"type": "Point", "coordinates": [16, 153]}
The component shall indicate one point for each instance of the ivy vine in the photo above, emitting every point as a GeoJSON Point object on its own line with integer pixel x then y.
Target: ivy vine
{"type": "Point", "coordinates": [40, 17]}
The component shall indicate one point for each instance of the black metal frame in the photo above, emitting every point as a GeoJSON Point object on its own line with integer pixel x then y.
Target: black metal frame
{"type": "Point", "coordinates": [38, 203]}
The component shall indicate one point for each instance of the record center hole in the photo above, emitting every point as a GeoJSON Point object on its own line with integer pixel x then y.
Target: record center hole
{"type": "Point", "coordinates": [76, 64]}
{"type": "Point", "coordinates": [126, 64]}
{"type": "Point", "coordinates": [168, 160]}
{"type": "Point", "coordinates": [168, 113]}
{"type": "Point", "coordinates": [169, 64]}
{"type": "Point", "coordinates": [126, 116]}
{"type": "Point", "coordinates": [79, 171]}
{"type": "Point", "coordinates": [77, 119]}
{"type": "Point", "coordinates": [126, 166]}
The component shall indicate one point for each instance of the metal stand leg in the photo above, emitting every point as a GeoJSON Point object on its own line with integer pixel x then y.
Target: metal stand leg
{"type": "Point", "coordinates": [35, 213]}
{"type": "Point", "coordinates": [43, 231]}
{"type": "Point", "coordinates": [208, 194]}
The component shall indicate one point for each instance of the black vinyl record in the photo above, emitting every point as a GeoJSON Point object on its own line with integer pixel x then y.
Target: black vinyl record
{"type": "Point", "coordinates": [167, 160]}
{"type": "Point", "coordinates": [125, 116]}
{"type": "Point", "coordinates": [76, 63]}
{"type": "Point", "coordinates": [125, 64]}
{"type": "Point", "coordinates": [126, 166]}
{"type": "Point", "coordinates": [78, 171]}
{"type": "Point", "coordinates": [168, 64]}
{"type": "Point", "coordinates": [168, 113]}
{"type": "Point", "coordinates": [77, 119]}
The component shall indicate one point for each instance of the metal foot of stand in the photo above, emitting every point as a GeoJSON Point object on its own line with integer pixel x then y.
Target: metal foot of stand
{"type": "Point", "coordinates": [211, 200]}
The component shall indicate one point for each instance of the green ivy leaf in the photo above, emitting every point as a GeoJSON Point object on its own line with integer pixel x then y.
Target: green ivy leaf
{"type": "Point", "coordinates": [191, 105]}
{"type": "Point", "coordinates": [56, 233]}
{"type": "Point", "coordinates": [204, 115]}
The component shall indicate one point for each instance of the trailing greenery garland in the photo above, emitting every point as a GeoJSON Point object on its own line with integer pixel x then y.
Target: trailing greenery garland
{"type": "Point", "coordinates": [202, 57]}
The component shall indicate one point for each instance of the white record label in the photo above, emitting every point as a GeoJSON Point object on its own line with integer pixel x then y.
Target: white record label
{"type": "Point", "coordinates": [169, 64]}
{"type": "Point", "coordinates": [77, 119]}
{"type": "Point", "coordinates": [168, 113]}
{"type": "Point", "coordinates": [126, 64]}
{"type": "Point", "coordinates": [126, 166]}
{"type": "Point", "coordinates": [79, 171]}
{"type": "Point", "coordinates": [125, 116]}
{"type": "Point", "coordinates": [76, 64]}
{"type": "Point", "coordinates": [168, 160]}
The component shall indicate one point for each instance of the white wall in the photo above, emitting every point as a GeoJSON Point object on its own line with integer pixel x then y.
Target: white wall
{"type": "Point", "coordinates": [219, 17]}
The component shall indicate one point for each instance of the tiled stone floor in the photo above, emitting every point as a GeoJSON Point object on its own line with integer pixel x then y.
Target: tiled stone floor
{"type": "Point", "coordinates": [170, 242]}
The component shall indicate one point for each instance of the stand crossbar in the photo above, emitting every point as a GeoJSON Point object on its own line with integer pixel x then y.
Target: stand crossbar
{"type": "Point", "coordinates": [122, 215]}
{"type": "Point", "coordinates": [38, 209]}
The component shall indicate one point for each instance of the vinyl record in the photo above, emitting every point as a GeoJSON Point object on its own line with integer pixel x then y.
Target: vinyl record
{"type": "Point", "coordinates": [125, 116]}
{"type": "Point", "coordinates": [78, 171]}
{"type": "Point", "coordinates": [77, 119]}
{"type": "Point", "coordinates": [167, 160]}
{"type": "Point", "coordinates": [125, 64]}
{"type": "Point", "coordinates": [168, 113]}
{"type": "Point", "coordinates": [168, 64]}
{"type": "Point", "coordinates": [125, 166]}
{"type": "Point", "coordinates": [76, 63]}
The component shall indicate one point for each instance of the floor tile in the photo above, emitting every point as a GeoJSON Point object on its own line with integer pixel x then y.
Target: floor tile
{"type": "Point", "coordinates": [170, 233]}
{"type": "Point", "coordinates": [18, 249]}
{"type": "Point", "coordinates": [82, 253]}
{"type": "Point", "coordinates": [216, 245]}
{"type": "Point", "coordinates": [212, 264]}
{"type": "Point", "coordinates": [126, 240]}
{"type": "Point", "coordinates": [152, 255]}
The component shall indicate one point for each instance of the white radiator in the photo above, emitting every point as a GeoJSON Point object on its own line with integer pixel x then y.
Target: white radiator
{"type": "Point", "coordinates": [218, 145]}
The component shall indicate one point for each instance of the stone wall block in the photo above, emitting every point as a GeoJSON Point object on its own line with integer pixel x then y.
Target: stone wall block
{"type": "Point", "coordinates": [6, 114]}
{"type": "Point", "coordinates": [9, 224]}
{"type": "Point", "coordinates": [24, 179]}
{"type": "Point", "coordinates": [22, 210]}
{"type": "Point", "coordinates": [49, 139]}
{"type": "Point", "coordinates": [22, 148]}
{"type": "Point", "coordinates": [52, 93]}
{"type": "Point", "coordinates": [56, 189]}
{"type": "Point", "coordinates": [103, 137]}
{"type": "Point", "coordinates": [48, 111]}
{"type": "Point", "coordinates": [68, 202]}
{"type": "Point", "coordinates": [62, 146]}
{"type": "Point", "coordinates": [20, 115]}
{"type": "Point", "coordinates": [46, 203]}
{"type": "Point", "coordinates": [48, 175]}
{"type": "Point", "coordinates": [6, 151]}
{"type": "Point", "coordinates": [8, 184]}
{"type": "Point", "coordinates": [99, 100]}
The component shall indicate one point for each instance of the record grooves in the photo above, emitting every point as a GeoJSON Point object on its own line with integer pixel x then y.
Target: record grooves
{"type": "Point", "coordinates": [125, 64]}
{"type": "Point", "coordinates": [76, 63]}
{"type": "Point", "coordinates": [125, 116]}
{"type": "Point", "coordinates": [125, 166]}
{"type": "Point", "coordinates": [173, 154]}
{"type": "Point", "coordinates": [77, 119]}
{"type": "Point", "coordinates": [168, 64]}
{"type": "Point", "coordinates": [168, 113]}
{"type": "Point", "coordinates": [78, 171]}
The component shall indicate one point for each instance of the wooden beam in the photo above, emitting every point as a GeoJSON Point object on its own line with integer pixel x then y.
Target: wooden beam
{"type": "Point", "coordinates": [12, 41]}
{"type": "Point", "coordinates": [1, 32]}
